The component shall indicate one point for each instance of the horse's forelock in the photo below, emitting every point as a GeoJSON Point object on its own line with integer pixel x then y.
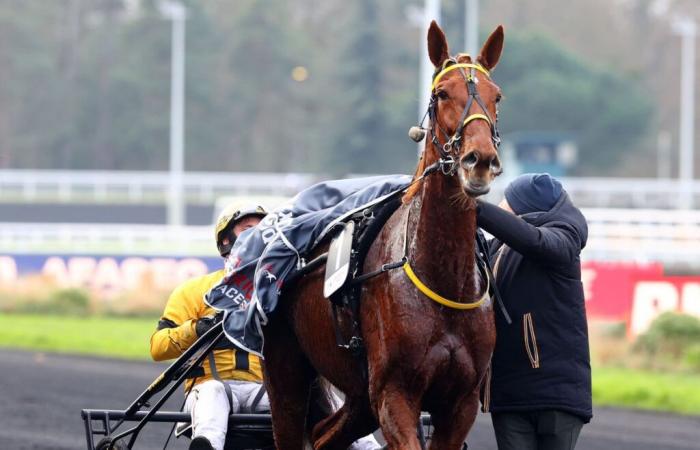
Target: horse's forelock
{"type": "Point", "coordinates": [464, 58]}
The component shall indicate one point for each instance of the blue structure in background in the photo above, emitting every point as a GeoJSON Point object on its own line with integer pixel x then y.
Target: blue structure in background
{"type": "Point", "coordinates": [541, 151]}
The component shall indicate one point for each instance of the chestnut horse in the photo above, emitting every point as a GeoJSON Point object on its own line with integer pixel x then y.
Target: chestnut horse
{"type": "Point", "coordinates": [421, 355]}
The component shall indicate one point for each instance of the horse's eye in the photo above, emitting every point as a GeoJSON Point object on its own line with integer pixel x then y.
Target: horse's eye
{"type": "Point", "coordinates": [498, 98]}
{"type": "Point", "coordinates": [442, 95]}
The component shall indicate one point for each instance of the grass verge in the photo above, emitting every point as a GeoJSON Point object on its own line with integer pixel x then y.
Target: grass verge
{"type": "Point", "coordinates": [672, 392]}
{"type": "Point", "coordinates": [103, 336]}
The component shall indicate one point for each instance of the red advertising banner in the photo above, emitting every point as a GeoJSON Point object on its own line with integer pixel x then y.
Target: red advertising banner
{"type": "Point", "coordinates": [637, 293]}
{"type": "Point", "coordinates": [608, 287]}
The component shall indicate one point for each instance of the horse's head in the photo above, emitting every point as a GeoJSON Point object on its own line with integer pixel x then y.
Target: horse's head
{"type": "Point", "coordinates": [463, 111]}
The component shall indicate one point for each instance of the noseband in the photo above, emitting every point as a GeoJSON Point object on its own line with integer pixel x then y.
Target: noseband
{"type": "Point", "coordinates": [449, 151]}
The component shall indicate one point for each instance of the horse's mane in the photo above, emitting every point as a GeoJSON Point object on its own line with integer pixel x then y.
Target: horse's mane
{"type": "Point", "coordinates": [415, 187]}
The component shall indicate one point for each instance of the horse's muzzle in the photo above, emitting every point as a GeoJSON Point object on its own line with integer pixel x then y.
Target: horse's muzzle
{"type": "Point", "coordinates": [476, 190]}
{"type": "Point", "coordinates": [473, 187]}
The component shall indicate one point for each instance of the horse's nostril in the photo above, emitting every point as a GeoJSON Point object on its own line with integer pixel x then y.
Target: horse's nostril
{"type": "Point", "coordinates": [495, 165]}
{"type": "Point", "coordinates": [469, 160]}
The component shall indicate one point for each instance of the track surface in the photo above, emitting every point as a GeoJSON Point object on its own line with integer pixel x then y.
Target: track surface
{"type": "Point", "coordinates": [42, 395]}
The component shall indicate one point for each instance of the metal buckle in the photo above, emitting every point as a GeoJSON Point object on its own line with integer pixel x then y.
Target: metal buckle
{"type": "Point", "coordinates": [448, 165]}
{"type": "Point", "coordinates": [449, 145]}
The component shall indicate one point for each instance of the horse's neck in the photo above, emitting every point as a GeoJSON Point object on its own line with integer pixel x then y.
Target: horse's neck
{"type": "Point", "coordinates": [442, 249]}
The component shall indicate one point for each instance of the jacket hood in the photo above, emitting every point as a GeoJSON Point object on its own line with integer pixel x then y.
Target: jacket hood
{"type": "Point", "coordinates": [562, 211]}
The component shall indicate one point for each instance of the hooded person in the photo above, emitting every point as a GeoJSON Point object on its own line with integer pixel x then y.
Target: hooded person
{"type": "Point", "coordinates": [539, 388]}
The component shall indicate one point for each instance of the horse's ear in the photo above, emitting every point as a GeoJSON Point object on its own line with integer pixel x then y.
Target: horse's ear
{"type": "Point", "coordinates": [437, 45]}
{"type": "Point", "coordinates": [491, 51]}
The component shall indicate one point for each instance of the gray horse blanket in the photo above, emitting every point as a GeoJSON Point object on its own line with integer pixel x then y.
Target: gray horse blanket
{"type": "Point", "coordinates": [265, 255]}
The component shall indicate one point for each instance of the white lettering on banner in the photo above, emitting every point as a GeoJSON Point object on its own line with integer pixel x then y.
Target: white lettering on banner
{"type": "Point", "coordinates": [8, 270]}
{"type": "Point", "coordinates": [81, 270]}
{"type": "Point", "coordinates": [136, 273]}
{"type": "Point", "coordinates": [163, 271]}
{"type": "Point", "coordinates": [107, 278]}
{"type": "Point", "coordinates": [190, 267]}
{"type": "Point", "coordinates": [55, 269]}
{"type": "Point", "coordinates": [651, 298]}
{"type": "Point", "coordinates": [690, 298]}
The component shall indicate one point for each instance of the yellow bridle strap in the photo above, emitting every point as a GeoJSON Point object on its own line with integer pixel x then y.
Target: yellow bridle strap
{"type": "Point", "coordinates": [440, 299]}
{"type": "Point", "coordinates": [478, 67]}
{"type": "Point", "coordinates": [476, 117]}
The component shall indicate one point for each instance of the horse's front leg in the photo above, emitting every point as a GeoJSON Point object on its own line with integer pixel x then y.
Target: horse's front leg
{"type": "Point", "coordinates": [288, 379]}
{"type": "Point", "coordinates": [398, 413]}
{"type": "Point", "coordinates": [452, 424]}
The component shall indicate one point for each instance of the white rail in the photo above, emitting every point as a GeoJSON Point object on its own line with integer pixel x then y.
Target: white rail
{"type": "Point", "coordinates": [643, 235]}
{"type": "Point", "coordinates": [206, 187]}
{"type": "Point", "coordinates": [141, 186]}
{"type": "Point", "coordinates": [620, 192]}
{"type": "Point", "coordinates": [106, 239]}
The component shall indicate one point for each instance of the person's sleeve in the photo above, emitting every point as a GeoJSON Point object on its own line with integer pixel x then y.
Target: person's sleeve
{"type": "Point", "coordinates": [556, 243]}
{"type": "Point", "coordinates": [176, 328]}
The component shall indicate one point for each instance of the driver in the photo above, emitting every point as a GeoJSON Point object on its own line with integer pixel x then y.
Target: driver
{"type": "Point", "coordinates": [231, 381]}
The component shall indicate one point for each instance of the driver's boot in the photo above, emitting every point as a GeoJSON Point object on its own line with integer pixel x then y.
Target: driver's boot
{"type": "Point", "coordinates": [201, 443]}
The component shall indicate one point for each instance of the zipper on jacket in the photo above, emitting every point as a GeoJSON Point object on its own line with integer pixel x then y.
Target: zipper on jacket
{"type": "Point", "coordinates": [530, 341]}
{"type": "Point", "coordinates": [486, 391]}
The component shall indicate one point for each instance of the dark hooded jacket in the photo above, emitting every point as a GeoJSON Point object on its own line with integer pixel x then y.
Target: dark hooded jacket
{"type": "Point", "coordinates": [541, 360]}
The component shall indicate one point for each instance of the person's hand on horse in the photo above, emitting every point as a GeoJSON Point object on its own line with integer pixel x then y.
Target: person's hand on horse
{"type": "Point", "coordinates": [205, 324]}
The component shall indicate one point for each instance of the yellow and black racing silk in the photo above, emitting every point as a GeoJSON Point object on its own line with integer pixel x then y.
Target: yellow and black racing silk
{"type": "Point", "coordinates": [176, 332]}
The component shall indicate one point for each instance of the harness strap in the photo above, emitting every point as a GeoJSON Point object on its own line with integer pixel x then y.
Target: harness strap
{"type": "Point", "coordinates": [215, 375]}
{"type": "Point", "coordinates": [439, 298]}
{"type": "Point", "coordinates": [440, 74]}
{"type": "Point", "coordinates": [483, 249]}
{"type": "Point", "coordinates": [385, 268]}
{"type": "Point", "coordinates": [256, 400]}
{"type": "Point", "coordinates": [476, 117]}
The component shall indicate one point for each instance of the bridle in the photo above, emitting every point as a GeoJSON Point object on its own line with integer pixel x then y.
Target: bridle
{"type": "Point", "coordinates": [448, 165]}
{"type": "Point", "coordinates": [449, 151]}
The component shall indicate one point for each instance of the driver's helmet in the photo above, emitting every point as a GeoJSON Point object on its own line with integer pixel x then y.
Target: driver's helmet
{"type": "Point", "coordinates": [231, 214]}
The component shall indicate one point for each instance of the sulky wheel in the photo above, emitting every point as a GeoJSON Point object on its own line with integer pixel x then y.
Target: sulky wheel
{"type": "Point", "coordinates": [107, 444]}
